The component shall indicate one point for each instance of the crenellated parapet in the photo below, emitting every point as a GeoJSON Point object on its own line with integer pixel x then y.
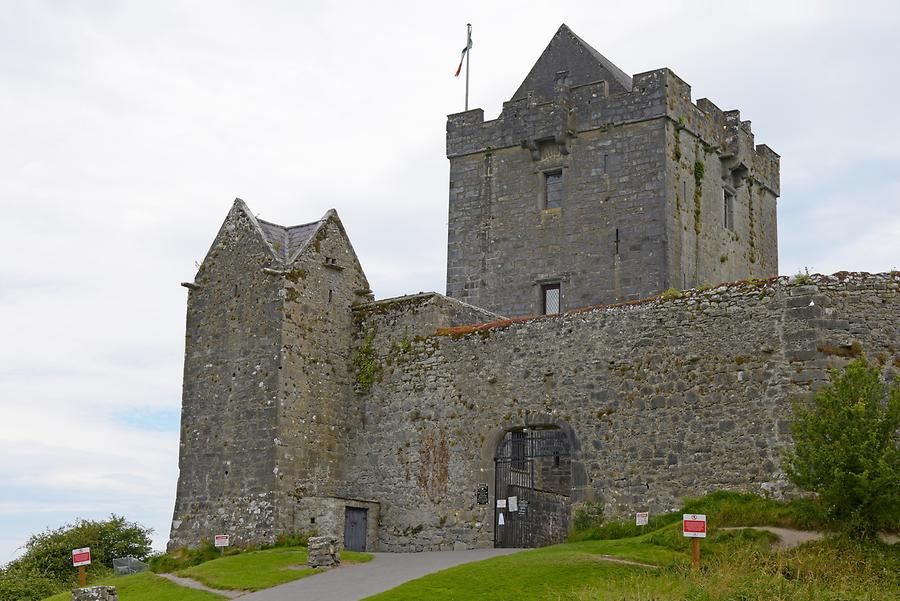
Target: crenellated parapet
{"type": "Point", "coordinates": [528, 120]}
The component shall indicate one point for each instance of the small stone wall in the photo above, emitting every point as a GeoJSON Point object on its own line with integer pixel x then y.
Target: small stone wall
{"type": "Point", "coordinates": [324, 552]}
{"type": "Point", "coordinates": [95, 593]}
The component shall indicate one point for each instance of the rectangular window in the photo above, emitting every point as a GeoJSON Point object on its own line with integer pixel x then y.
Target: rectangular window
{"type": "Point", "coordinates": [550, 297]}
{"type": "Point", "coordinates": [728, 209]}
{"type": "Point", "coordinates": [553, 190]}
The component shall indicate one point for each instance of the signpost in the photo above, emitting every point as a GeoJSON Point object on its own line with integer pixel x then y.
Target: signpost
{"type": "Point", "coordinates": [694, 528]}
{"type": "Point", "coordinates": [222, 541]}
{"type": "Point", "coordinates": [81, 558]}
{"type": "Point", "coordinates": [641, 518]}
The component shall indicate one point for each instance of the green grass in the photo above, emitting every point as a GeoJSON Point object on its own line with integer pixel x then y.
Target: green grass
{"type": "Point", "coordinates": [257, 570]}
{"type": "Point", "coordinates": [723, 509]}
{"type": "Point", "coordinates": [548, 573]}
{"type": "Point", "coordinates": [737, 565]}
{"type": "Point", "coordinates": [147, 587]}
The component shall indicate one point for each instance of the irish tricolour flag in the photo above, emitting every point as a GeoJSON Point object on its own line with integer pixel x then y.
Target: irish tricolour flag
{"type": "Point", "coordinates": [465, 50]}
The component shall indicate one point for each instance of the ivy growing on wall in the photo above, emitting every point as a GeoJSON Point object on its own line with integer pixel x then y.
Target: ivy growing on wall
{"type": "Point", "coordinates": [368, 369]}
{"type": "Point", "coordinates": [699, 172]}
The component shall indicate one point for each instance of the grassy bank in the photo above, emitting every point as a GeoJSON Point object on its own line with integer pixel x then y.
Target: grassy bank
{"type": "Point", "coordinates": [257, 570]}
{"type": "Point", "coordinates": [147, 587]}
{"type": "Point", "coordinates": [736, 564]}
{"type": "Point", "coordinates": [247, 571]}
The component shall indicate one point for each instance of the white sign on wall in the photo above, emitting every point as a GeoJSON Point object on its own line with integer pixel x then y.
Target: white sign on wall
{"type": "Point", "coordinates": [642, 518]}
{"type": "Point", "coordinates": [501, 503]}
{"type": "Point", "coordinates": [222, 540]}
{"type": "Point", "coordinates": [513, 504]}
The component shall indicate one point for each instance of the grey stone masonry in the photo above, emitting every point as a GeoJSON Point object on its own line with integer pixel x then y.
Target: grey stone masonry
{"type": "Point", "coordinates": [95, 593]}
{"type": "Point", "coordinates": [662, 399]}
{"type": "Point", "coordinates": [656, 192]}
{"type": "Point", "coordinates": [324, 552]}
{"type": "Point", "coordinates": [308, 405]}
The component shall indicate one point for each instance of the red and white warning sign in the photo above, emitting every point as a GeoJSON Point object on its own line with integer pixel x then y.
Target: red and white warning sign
{"type": "Point", "coordinates": [222, 540]}
{"type": "Point", "coordinates": [694, 525]}
{"type": "Point", "coordinates": [81, 557]}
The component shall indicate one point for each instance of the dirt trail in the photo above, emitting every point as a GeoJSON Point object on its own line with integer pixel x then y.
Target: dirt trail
{"type": "Point", "coordinates": [191, 583]}
{"type": "Point", "coordinates": [788, 538]}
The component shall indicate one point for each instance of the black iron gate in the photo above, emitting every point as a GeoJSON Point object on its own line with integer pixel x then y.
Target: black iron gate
{"type": "Point", "coordinates": [532, 482]}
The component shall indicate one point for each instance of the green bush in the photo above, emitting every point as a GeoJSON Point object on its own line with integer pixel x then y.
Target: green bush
{"type": "Point", "coordinates": [725, 508]}
{"type": "Point", "coordinates": [46, 566]}
{"type": "Point", "coordinates": [188, 557]}
{"type": "Point", "coordinates": [294, 539]}
{"type": "Point", "coordinates": [587, 516]}
{"type": "Point", "coordinates": [20, 585]}
{"type": "Point", "coordinates": [846, 450]}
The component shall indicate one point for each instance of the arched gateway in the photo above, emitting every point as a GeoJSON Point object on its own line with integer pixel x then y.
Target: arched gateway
{"type": "Point", "coordinates": [532, 484]}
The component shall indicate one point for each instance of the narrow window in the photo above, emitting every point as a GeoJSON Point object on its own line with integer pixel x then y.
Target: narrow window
{"type": "Point", "coordinates": [553, 190]}
{"type": "Point", "coordinates": [605, 163]}
{"type": "Point", "coordinates": [617, 242]}
{"type": "Point", "coordinates": [550, 297]}
{"type": "Point", "coordinates": [330, 294]}
{"type": "Point", "coordinates": [728, 209]}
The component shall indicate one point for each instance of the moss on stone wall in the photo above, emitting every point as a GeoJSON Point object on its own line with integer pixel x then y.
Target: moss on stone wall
{"type": "Point", "coordinates": [368, 368]}
{"type": "Point", "coordinates": [699, 172]}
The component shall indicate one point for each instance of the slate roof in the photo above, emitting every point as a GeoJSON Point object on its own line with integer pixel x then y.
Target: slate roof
{"type": "Point", "coordinates": [568, 52]}
{"type": "Point", "coordinates": [286, 241]}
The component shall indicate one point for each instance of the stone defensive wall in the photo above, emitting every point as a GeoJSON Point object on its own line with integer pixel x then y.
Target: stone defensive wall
{"type": "Point", "coordinates": [660, 399]}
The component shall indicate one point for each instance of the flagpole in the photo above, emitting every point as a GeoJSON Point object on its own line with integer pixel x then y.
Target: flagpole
{"type": "Point", "coordinates": [468, 53]}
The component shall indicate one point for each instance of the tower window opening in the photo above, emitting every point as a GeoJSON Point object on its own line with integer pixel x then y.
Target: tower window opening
{"type": "Point", "coordinates": [728, 209]}
{"type": "Point", "coordinates": [553, 189]}
{"type": "Point", "coordinates": [550, 298]}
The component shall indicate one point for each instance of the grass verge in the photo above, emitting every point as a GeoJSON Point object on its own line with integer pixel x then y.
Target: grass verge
{"type": "Point", "coordinates": [257, 570]}
{"type": "Point", "coordinates": [147, 587]}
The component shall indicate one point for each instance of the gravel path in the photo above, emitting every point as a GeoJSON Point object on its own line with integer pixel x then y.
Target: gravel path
{"type": "Point", "coordinates": [387, 570]}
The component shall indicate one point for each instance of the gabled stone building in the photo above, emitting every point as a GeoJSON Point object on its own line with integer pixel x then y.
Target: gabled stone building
{"type": "Point", "coordinates": [436, 422]}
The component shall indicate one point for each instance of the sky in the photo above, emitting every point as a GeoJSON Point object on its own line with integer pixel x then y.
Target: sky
{"type": "Point", "coordinates": [128, 128]}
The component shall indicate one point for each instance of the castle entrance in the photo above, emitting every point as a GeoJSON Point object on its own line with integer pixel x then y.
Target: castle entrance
{"type": "Point", "coordinates": [532, 482]}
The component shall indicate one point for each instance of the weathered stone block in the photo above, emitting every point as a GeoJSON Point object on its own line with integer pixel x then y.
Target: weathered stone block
{"type": "Point", "coordinates": [324, 552]}
{"type": "Point", "coordinates": [95, 593]}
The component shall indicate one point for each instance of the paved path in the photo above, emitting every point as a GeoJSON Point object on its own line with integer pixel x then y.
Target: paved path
{"type": "Point", "coordinates": [354, 582]}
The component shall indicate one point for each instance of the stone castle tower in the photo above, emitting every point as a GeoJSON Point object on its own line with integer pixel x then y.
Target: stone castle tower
{"type": "Point", "coordinates": [424, 422]}
{"type": "Point", "coordinates": [596, 187]}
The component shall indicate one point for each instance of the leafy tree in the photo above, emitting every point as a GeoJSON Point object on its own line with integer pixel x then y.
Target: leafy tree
{"type": "Point", "coordinates": [48, 555]}
{"type": "Point", "coordinates": [846, 450]}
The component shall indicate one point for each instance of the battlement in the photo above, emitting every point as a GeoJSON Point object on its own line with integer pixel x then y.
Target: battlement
{"type": "Point", "coordinates": [657, 94]}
